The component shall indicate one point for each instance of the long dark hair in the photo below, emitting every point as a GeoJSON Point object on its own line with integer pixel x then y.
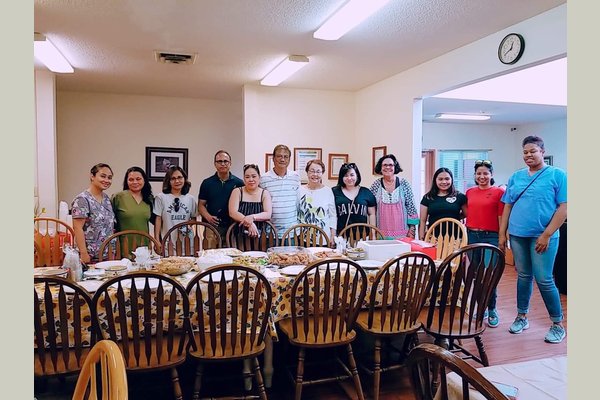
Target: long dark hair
{"type": "Point", "coordinates": [344, 170]}
{"type": "Point", "coordinates": [433, 192]}
{"type": "Point", "coordinates": [147, 195]}
{"type": "Point", "coordinates": [166, 188]}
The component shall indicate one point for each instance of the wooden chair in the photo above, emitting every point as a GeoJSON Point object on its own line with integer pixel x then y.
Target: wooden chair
{"type": "Point", "coordinates": [428, 366]}
{"type": "Point", "coordinates": [63, 330]}
{"type": "Point", "coordinates": [461, 289]}
{"type": "Point", "coordinates": [226, 333]}
{"type": "Point", "coordinates": [305, 235]}
{"type": "Point", "coordinates": [189, 237]}
{"type": "Point", "coordinates": [50, 235]}
{"type": "Point", "coordinates": [106, 357]}
{"type": "Point", "coordinates": [448, 234]}
{"type": "Point", "coordinates": [122, 244]}
{"type": "Point", "coordinates": [238, 239]}
{"type": "Point", "coordinates": [152, 335]}
{"type": "Point", "coordinates": [397, 297]}
{"type": "Point", "coordinates": [325, 320]}
{"type": "Point", "coordinates": [355, 232]}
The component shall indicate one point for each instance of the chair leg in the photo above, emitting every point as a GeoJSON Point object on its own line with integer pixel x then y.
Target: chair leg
{"type": "Point", "coordinates": [176, 385]}
{"type": "Point", "coordinates": [259, 379]}
{"type": "Point", "coordinates": [377, 369]}
{"type": "Point", "coordinates": [482, 353]}
{"type": "Point", "coordinates": [198, 381]}
{"type": "Point", "coordinates": [354, 372]}
{"type": "Point", "coordinates": [300, 373]}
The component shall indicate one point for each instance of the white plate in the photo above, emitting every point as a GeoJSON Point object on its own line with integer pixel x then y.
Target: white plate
{"type": "Point", "coordinates": [140, 283]}
{"type": "Point", "coordinates": [314, 250]}
{"type": "Point", "coordinates": [112, 263]}
{"type": "Point", "coordinates": [50, 271]}
{"type": "Point", "coordinates": [255, 254]}
{"type": "Point", "coordinates": [94, 273]}
{"type": "Point", "coordinates": [216, 276]}
{"type": "Point", "coordinates": [370, 264]}
{"type": "Point", "coordinates": [292, 270]}
{"type": "Point", "coordinates": [90, 286]}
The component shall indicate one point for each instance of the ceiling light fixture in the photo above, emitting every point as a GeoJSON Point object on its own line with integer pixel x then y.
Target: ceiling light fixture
{"type": "Point", "coordinates": [468, 117]}
{"type": "Point", "coordinates": [347, 17]}
{"type": "Point", "coordinates": [46, 52]}
{"type": "Point", "coordinates": [284, 70]}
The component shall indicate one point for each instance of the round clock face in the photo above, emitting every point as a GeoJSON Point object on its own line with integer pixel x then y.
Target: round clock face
{"type": "Point", "coordinates": [511, 48]}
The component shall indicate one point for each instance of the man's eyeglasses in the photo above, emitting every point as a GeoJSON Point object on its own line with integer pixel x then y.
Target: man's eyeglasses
{"type": "Point", "coordinates": [176, 204]}
{"type": "Point", "coordinates": [222, 162]}
{"type": "Point", "coordinates": [282, 156]}
{"type": "Point", "coordinates": [483, 162]}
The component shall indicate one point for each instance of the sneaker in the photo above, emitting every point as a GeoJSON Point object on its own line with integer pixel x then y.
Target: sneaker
{"type": "Point", "coordinates": [556, 334]}
{"type": "Point", "coordinates": [519, 325]}
{"type": "Point", "coordinates": [493, 320]}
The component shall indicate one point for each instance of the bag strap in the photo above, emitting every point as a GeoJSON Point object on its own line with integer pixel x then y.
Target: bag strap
{"type": "Point", "coordinates": [530, 183]}
{"type": "Point", "coordinates": [349, 211]}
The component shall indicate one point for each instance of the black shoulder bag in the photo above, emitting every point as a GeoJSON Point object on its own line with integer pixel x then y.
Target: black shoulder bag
{"type": "Point", "coordinates": [530, 183]}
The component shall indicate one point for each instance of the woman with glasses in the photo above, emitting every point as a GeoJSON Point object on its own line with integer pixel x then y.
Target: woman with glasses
{"type": "Point", "coordinates": [93, 216]}
{"type": "Point", "coordinates": [250, 205]}
{"type": "Point", "coordinates": [535, 206]}
{"type": "Point", "coordinates": [175, 204]}
{"type": "Point", "coordinates": [485, 212]}
{"type": "Point", "coordinates": [316, 204]}
{"type": "Point", "coordinates": [396, 212]}
{"type": "Point", "coordinates": [442, 201]}
{"type": "Point", "coordinates": [353, 203]}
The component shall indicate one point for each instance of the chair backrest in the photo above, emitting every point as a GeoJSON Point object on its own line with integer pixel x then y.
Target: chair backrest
{"type": "Point", "coordinates": [122, 244]}
{"type": "Point", "coordinates": [462, 287]}
{"type": "Point", "coordinates": [63, 330]}
{"type": "Point", "coordinates": [429, 364]}
{"type": "Point", "coordinates": [219, 328]}
{"type": "Point", "coordinates": [341, 287]}
{"type": "Point", "coordinates": [399, 292]}
{"type": "Point", "coordinates": [355, 232]}
{"type": "Point", "coordinates": [448, 234]}
{"type": "Point", "coordinates": [156, 327]}
{"type": "Point", "coordinates": [189, 237]}
{"type": "Point", "coordinates": [106, 357]}
{"type": "Point", "coordinates": [305, 235]}
{"type": "Point", "coordinates": [266, 238]}
{"type": "Point", "coordinates": [50, 235]}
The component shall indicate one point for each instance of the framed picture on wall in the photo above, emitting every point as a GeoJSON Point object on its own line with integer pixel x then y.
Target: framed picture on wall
{"type": "Point", "coordinates": [549, 160]}
{"type": "Point", "coordinates": [335, 163]}
{"type": "Point", "coordinates": [303, 155]}
{"type": "Point", "coordinates": [159, 159]}
{"type": "Point", "coordinates": [378, 152]}
{"type": "Point", "coordinates": [268, 162]}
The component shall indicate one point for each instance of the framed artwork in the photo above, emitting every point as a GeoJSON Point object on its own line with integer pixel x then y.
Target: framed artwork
{"type": "Point", "coordinates": [268, 162]}
{"type": "Point", "coordinates": [335, 163]}
{"type": "Point", "coordinates": [549, 160]}
{"type": "Point", "coordinates": [378, 152]}
{"type": "Point", "coordinates": [159, 159]}
{"type": "Point", "coordinates": [303, 155]}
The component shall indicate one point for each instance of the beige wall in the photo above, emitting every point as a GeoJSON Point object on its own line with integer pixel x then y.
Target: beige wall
{"type": "Point", "coordinates": [115, 129]}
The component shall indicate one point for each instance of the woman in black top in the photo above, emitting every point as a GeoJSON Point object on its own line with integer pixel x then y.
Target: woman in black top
{"type": "Point", "coordinates": [250, 204]}
{"type": "Point", "coordinates": [353, 203]}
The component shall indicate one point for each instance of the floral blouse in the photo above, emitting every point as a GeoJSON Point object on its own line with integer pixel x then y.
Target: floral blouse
{"type": "Point", "coordinates": [99, 220]}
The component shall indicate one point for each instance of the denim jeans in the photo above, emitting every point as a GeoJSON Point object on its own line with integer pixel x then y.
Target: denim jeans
{"type": "Point", "coordinates": [532, 265]}
{"type": "Point", "coordinates": [490, 238]}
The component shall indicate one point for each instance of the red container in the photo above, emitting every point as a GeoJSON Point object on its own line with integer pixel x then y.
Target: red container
{"type": "Point", "coordinates": [423, 247]}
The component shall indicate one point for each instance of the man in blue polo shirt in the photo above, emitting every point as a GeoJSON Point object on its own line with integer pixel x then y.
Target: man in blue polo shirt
{"type": "Point", "coordinates": [213, 197]}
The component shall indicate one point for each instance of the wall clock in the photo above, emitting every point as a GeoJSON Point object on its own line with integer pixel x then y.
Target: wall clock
{"type": "Point", "coordinates": [511, 48]}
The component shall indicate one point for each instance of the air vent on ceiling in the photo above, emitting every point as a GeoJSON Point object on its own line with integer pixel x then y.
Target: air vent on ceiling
{"type": "Point", "coordinates": [169, 57]}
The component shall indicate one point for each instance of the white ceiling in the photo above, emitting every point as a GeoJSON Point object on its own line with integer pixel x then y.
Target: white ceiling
{"type": "Point", "coordinates": [111, 44]}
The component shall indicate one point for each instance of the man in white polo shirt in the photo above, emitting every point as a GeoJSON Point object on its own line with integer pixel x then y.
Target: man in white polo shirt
{"type": "Point", "coordinates": [283, 185]}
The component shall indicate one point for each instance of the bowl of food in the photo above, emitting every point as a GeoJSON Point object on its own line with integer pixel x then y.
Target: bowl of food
{"type": "Point", "coordinates": [284, 256]}
{"type": "Point", "coordinates": [356, 253]}
{"type": "Point", "coordinates": [175, 265]}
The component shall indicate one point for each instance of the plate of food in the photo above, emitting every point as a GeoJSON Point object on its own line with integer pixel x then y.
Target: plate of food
{"type": "Point", "coordinates": [112, 263]}
{"type": "Point", "coordinates": [254, 254]}
{"type": "Point", "coordinates": [175, 265]}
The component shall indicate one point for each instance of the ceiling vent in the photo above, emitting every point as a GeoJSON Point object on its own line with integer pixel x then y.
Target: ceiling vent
{"type": "Point", "coordinates": [168, 57]}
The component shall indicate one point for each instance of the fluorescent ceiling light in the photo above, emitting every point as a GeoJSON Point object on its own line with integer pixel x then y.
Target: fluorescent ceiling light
{"type": "Point", "coordinates": [351, 14]}
{"type": "Point", "coordinates": [469, 117]}
{"type": "Point", "coordinates": [284, 70]}
{"type": "Point", "coordinates": [44, 51]}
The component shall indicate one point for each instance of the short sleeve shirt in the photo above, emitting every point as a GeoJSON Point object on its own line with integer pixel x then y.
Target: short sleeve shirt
{"type": "Point", "coordinates": [356, 212]}
{"type": "Point", "coordinates": [284, 191]}
{"type": "Point", "coordinates": [216, 193]}
{"type": "Point", "coordinates": [448, 206]}
{"type": "Point", "coordinates": [99, 220]}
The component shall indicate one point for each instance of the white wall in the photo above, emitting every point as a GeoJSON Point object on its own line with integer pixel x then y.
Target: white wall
{"type": "Point", "coordinates": [115, 129]}
{"type": "Point", "coordinates": [297, 118]}
{"type": "Point", "coordinates": [554, 134]}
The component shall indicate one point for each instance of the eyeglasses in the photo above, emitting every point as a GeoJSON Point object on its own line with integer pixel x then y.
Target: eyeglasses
{"type": "Point", "coordinates": [177, 178]}
{"type": "Point", "coordinates": [483, 162]}
{"type": "Point", "coordinates": [282, 156]}
{"type": "Point", "coordinates": [176, 204]}
{"type": "Point", "coordinates": [222, 162]}
{"type": "Point", "coordinates": [314, 171]}
{"type": "Point", "coordinates": [387, 165]}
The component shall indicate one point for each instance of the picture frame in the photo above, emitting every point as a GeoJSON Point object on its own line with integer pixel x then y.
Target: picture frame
{"type": "Point", "coordinates": [269, 164]}
{"type": "Point", "coordinates": [336, 160]}
{"type": "Point", "coordinates": [302, 155]}
{"type": "Point", "coordinates": [159, 159]}
{"type": "Point", "coordinates": [549, 160]}
{"type": "Point", "coordinates": [378, 152]}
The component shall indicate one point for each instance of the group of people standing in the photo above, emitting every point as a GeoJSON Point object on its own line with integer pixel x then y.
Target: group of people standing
{"type": "Point", "coordinates": [526, 214]}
